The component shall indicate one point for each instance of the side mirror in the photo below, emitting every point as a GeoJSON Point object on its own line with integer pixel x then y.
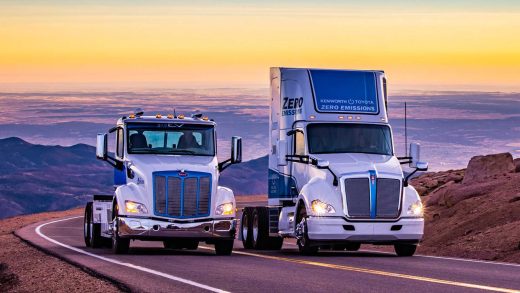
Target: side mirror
{"type": "Point", "coordinates": [422, 166]}
{"type": "Point", "coordinates": [282, 152]}
{"type": "Point", "coordinates": [415, 154]}
{"type": "Point", "coordinates": [323, 164]}
{"type": "Point", "coordinates": [236, 149]}
{"type": "Point", "coordinates": [102, 146]}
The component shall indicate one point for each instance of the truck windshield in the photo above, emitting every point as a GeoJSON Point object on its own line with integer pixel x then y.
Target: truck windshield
{"type": "Point", "coordinates": [173, 139]}
{"type": "Point", "coordinates": [330, 138]}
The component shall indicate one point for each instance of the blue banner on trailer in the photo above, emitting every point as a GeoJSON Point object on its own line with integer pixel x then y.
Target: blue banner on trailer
{"type": "Point", "coordinates": [345, 91]}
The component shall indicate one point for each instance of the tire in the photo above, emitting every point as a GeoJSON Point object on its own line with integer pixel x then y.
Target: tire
{"type": "Point", "coordinates": [246, 226]}
{"type": "Point", "coordinates": [91, 231]}
{"type": "Point", "coordinates": [86, 223]}
{"type": "Point", "coordinates": [353, 246]}
{"type": "Point", "coordinates": [405, 249]}
{"type": "Point", "coordinates": [304, 243]}
{"type": "Point", "coordinates": [119, 245]}
{"type": "Point", "coordinates": [275, 243]}
{"type": "Point", "coordinates": [188, 244]}
{"type": "Point", "coordinates": [260, 228]}
{"type": "Point", "coordinates": [224, 247]}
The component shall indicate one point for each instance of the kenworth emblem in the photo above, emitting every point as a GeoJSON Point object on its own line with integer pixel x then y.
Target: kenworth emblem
{"type": "Point", "coordinates": [182, 173]}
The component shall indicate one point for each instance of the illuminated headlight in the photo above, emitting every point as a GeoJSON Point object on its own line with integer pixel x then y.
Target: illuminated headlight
{"type": "Point", "coordinates": [416, 209]}
{"type": "Point", "coordinates": [225, 209]}
{"type": "Point", "coordinates": [319, 207]}
{"type": "Point", "coordinates": [135, 207]}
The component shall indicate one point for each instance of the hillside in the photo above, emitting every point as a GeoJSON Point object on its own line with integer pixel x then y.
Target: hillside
{"type": "Point", "coordinates": [473, 212]}
{"type": "Point", "coordinates": [38, 178]}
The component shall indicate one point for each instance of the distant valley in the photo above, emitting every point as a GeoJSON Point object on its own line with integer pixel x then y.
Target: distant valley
{"type": "Point", "coordinates": [36, 178]}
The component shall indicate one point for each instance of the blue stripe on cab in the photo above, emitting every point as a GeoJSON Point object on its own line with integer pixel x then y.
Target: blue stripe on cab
{"type": "Point", "coordinates": [373, 192]}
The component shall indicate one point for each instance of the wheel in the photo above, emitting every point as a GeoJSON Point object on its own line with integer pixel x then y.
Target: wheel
{"type": "Point", "coordinates": [86, 223]}
{"type": "Point", "coordinates": [353, 246]}
{"type": "Point", "coordinates": [181, 244]}
{"type": "Point", "coordinates": [275, 243]}
{"type": "Point", "coordinates": [91, 230]}
{"type": "Point", "coordinates": [260, 228]}
{"type": "Point", "coordinates": [246, 228]}
{"type": "Point", "coordinates": [405, 249]}
{"type": "Point", "coordinates": [119, 245]}
{"type": "Point", "coordinates": [304, 243]}
{"type": "Point", "coordinates": [224, 247]}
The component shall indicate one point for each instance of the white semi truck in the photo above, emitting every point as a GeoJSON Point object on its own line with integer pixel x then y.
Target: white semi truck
{"type": "Point", "coordinates": [166, 178]}
{"type": "Point", "coordinates": [334, 180]}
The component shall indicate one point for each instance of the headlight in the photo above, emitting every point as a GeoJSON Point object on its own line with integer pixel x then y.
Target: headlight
{"type": "Point", "coordinates": [416, 209]}
{"type": "Point", "coordinates": [225, 209]}
{"type": "Point", "coordinates": [319, 207]}
{"type": "Point", "coordinates": [135, 207]}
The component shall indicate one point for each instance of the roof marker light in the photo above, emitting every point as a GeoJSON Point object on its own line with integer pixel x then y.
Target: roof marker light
{"type": "Point", "coordinates": [181, 116]}
{"type": "Point", "coordinates": [158, 116]}
{"type": "Point", "coordinates": [170, 116]}
{"type": "Point", "coordinates": [312, 117]}
{"type": "Point", "coordinates": [205, 118]}
{"type": "Point", "coordinates": [350, 117]}
{"type": "Point", "coordinates": [131, 116]}
{"type": "Point", "coordinates": [341, 117]}
{"type": "Point", "coordinates": [383, 119]}
{"type": "Point", "coordinates": [358, 118]}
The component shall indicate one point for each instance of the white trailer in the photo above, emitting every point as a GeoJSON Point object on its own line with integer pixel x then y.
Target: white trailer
{"type": "Point", "coordinates": [166, 178]}
{"type": "Point", "coordinates": [334, 180]}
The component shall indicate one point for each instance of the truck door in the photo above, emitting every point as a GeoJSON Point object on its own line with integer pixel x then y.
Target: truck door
{"type": "Point", "coordinates": [299, 169]}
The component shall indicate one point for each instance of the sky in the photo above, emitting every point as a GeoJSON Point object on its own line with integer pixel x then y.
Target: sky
{"type": "Point", "coordinates": [421, 45]}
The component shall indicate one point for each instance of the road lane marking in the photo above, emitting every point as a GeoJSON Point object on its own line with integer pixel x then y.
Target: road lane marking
{"type": "Point", "coordinates": [125, 264]}
{"type": "Point", "coordinates": [375, 272]}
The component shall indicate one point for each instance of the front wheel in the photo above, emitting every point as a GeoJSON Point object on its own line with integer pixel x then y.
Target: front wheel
{"type": "Point", "coordinates": [224, 247]}
{"type": "Point", "coordinates": [246, 228]}
{"type": "Point", "coordinates": [405, 249]}
{"type": "Point", "coordinates": [119, 245]}
{"type": "Point", "coordinates": [304, 243]}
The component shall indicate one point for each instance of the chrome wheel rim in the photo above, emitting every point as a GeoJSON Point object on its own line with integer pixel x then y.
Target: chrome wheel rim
{"type": "Point", "coordinates": [244, 227]}
{"type": "Point", "coordinates": [255, 228]}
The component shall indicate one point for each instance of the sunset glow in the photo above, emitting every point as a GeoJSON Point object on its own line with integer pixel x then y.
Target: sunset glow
{"type": "Point", "coordinates": [233, 44]}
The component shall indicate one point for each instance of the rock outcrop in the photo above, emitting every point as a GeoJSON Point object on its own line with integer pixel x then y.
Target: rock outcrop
{"type": "Point", "coordinates": [482, 167]}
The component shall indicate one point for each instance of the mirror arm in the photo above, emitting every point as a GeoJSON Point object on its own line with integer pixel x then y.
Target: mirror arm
{"type": "Point", "coordinates": [404, 160]}
{"type": "Point", "coordinates": [314, 162]}
{"type": "Point", "coordinates": [405, 183]}
{"type": "Point", "coordinates": [114, 163]}
{"type": "Point", "coordinates": [223, 165]}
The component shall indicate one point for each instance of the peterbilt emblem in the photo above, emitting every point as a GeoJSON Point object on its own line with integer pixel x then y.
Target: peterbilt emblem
{"type": "Point", "coordinates": [182, 173]}
{"type": "Point", "coordinates": [373, 178]}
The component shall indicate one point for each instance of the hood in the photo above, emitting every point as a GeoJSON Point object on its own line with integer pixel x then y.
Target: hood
{"type": "Point", "coordinates": [345, 164]}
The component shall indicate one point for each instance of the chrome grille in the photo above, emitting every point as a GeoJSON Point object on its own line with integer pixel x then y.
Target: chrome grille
{"type": "Point", "coordinates": [358, 197]}
{"type": "Point", "coordinates": [388, 193]}
{"type": "Point", "coordinates": [182, 194]}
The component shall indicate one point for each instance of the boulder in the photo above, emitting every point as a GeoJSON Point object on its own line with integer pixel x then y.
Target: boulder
{"type": "Point", "coordinates": [517, 165]}
{"type": "Point", "coordinates": [481, 167]}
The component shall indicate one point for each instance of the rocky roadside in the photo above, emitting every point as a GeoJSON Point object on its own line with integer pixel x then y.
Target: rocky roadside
{"type": "Point", "coordinates": [24, 268]}
{"type": "Point", "coordinates": [473, 212]}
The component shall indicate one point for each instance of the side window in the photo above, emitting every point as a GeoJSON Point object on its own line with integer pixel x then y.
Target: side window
{"type": "Point", "coordinates": [299, 144]}
{"type": "Point", "coordinates": [120, 143]}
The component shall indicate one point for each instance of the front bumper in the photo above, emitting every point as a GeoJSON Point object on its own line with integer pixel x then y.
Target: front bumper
{"type": "Point", "coordinates": [152, 229]}
{"type": "Point", "coordinates": [337, 229]}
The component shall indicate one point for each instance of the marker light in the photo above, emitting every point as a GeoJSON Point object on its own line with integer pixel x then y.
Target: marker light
{"type": "Point", "coordinates": [358, 118]}
{"type": "Point", "coordinates": [170, 116]}
{"type": "Point", "coordinates": [158, 116]}
{"type": "Point", "coordinates": [341, 117]}
{"type": "Point", "coordinates": [416, 209]}
{"type": "Point", "coordinates": [205, 118]}
{"type": "Point", "coordinates": [135, 207]}
{"type": "Point", "coordinates": [224, 209]}
{"type": "Point", "coordinates": [131, 116]}
{"type": "Point", "coordinates": [181, 116]}
{"type": "Point", "coordinates": [349, 117]}
{"type": "Point", "coordinates": [320, 208]}
{"type": "Point", "coordinates": [312, 117]}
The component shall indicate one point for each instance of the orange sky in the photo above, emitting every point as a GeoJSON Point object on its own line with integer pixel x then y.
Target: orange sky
{"type": "Point", "coordinates": [229, 45]}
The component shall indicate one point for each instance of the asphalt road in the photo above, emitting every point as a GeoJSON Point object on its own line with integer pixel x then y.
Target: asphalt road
{"type": "Point", "coordinates": [151, 268]}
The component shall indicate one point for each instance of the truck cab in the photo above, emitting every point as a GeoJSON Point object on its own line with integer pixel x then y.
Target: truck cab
{"type": "Point", "coordinates": [334, 179]}
{"type": "Point", "coordinates": [166, 178]}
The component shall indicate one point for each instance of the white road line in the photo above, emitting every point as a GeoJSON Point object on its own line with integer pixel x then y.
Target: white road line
{"type": "Point", "coordinates": [125, 264]}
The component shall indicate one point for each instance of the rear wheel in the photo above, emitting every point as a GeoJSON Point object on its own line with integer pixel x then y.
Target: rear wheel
{"type": "Point", "coordinates": [304, 243]}
{"type": "Point", "coordinates": [246, 228]}
{"type": "Point", "coordinates": [224, 247]}
{"type": "Point", "coordinates": [119, 245]}
{"type": "Point", "coordinates": [353, 246]}
{"type": "Point", "coordinates": [260, 228]}
{"type": "Point", "coordinates": [405, 249]}
{"type": "Point", "coordinates": [92, 231]}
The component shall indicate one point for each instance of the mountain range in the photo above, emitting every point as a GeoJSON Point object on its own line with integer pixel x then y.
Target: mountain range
{"type": "Point", "coordinates": [36, 178]}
